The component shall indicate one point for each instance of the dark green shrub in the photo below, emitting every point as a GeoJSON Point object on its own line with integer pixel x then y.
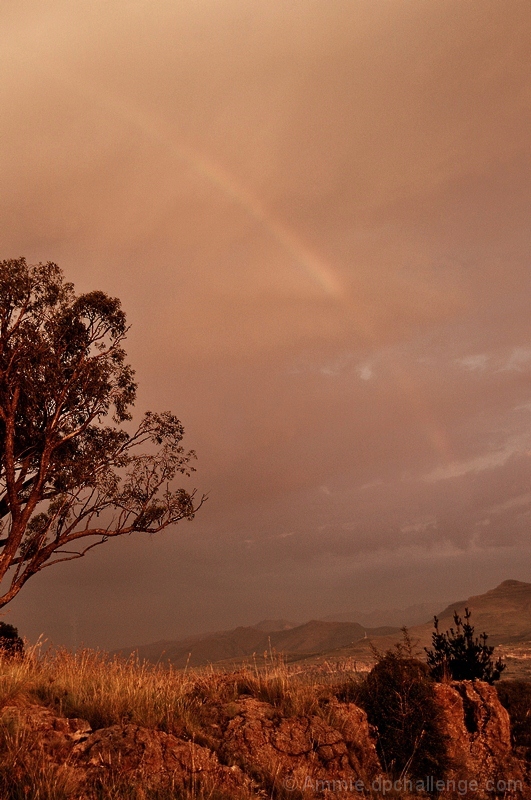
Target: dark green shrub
{"type": "Point", "coordinates": [398, 696]}
{"type": "Point", "coordinates": [460, 656]}
{"type": "Point", "coordinates": [11, 645]}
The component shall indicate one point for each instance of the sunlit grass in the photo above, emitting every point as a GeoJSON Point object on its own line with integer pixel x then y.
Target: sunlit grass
{"type": "Point", "coordinates": [107, 690]}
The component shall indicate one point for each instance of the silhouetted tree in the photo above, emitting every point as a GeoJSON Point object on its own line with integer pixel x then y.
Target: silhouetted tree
{"type": "Point", "coordinates": [68, 470]}
{"type": "Point", "coordinates": [458, 655]}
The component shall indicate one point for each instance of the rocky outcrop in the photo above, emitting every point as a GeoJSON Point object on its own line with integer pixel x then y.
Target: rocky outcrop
{"type": "Point", "coordinates": [55, 735]}
{"type": "Point", "coordinates": [301, 752]}
{"type": "Point", "coordinates": [155, 760]}
{"type": "Point", "coordinates": [123, 756]}
{"type": "Point", "coordinates": [248, 748]}
{"type": "Point", "coordinates": [478, 733]}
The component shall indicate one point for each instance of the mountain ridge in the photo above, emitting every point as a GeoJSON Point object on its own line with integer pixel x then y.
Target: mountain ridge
{"type": "Point", "coordinates": [312, 637]}
{"type": "Point", "coordinates": [503, 612]}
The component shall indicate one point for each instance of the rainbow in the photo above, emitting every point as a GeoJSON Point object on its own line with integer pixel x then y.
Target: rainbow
{"type": "Point", "coordinates": [316, 269]}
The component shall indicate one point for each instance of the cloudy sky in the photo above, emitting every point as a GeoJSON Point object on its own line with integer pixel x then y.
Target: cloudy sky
{"type": "Point", "coordinates": [316, 214]}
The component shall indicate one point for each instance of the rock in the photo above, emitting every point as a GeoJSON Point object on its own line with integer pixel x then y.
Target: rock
{"type": "Point", "coordinates": [155, 760]}
{"type": "Point", "coordinates": [255, 751]}
{"type": "Point", "coordinates": [128, 755]}
{"type": "Point", "coordinates": [304, 752]}
{"type": "Point", "coordinates": [36, 742]}
{"type": "Point", "coordinates": [351, 721]}
{"type": "Point", "coordinates": [56, 736]}
{"type": "Point", "coordinates": [479, 739]}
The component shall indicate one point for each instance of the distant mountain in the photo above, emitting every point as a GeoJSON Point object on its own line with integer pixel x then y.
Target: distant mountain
{"type": "Point", "coordinates": [316, 636]}
{"type": "Point", "coordinates": [416, 614]}
{"type": "Point", "coordinates": [504, 613]}
{"type": "Point", "coordinates": [269, 625]}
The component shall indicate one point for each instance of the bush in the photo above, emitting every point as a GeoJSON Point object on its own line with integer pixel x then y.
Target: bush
{"type": "Point", "coordinates": [11, 645]}
{"type": "Point", "coordinates": [399, 699]}
{"type": "Point", "coordinates": [515, 696]}
{"type": "Point", "coordinates": [458, 655]}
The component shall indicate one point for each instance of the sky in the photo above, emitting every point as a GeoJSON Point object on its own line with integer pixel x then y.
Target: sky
{"type": "Point", "coordinates": [316, 216]}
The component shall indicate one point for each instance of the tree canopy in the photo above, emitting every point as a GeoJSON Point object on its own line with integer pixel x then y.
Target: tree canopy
{"type": "Point", "coordinates": [72, 467]}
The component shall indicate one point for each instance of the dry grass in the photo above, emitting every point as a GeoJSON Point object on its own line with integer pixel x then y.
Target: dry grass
{"type": "Point", "coordinates": [111, 690]}
{"type": "Point", "coordinates": [108, 690]}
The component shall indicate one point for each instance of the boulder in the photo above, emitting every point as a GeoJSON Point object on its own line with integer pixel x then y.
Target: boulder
{"type": "Point", "coordinates": [154, 760]}
{"type": "Point", "coordinates": [479, 739]}
{"type": "Point", "coordinates": [306, 753]}
{"type": "Point", "coordinates": [55, 736]}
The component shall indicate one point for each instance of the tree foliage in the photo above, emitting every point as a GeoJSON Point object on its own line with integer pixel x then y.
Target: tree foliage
{"type": "Point", "coordinates": [459, 655]}
{"type": "Point", "coordinates": [69, 469]}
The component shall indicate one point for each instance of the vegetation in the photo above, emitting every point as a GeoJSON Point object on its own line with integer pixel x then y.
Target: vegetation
{"type": "Point", "coordinates": [11, 645]}
{"type": "Point", "coordinates": [109, 691]}
{"type": "Point", "coordinates": [397, 695]}
{"type": "Point", "coordinates": [399, 700]}
{"type": "Point", "coordinates": [516, 697]}
{"type": "Point", "coordinates": [459, 655]}
{"type": "Point", "coordinates": [69, 471]}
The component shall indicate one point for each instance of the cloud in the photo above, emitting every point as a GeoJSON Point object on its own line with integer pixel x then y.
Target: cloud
{"type": "Point", "coordinates": [420, 526]}
{"type": "Point", "coordinates": [514, 502]}
{"type": "Point", "coordinates": [519, 359]}
{"type": "Point", "coordinates": [365, 372]}
{"type": "Point", "coordinates": [337, 366]}
{"type": "Point", "coordinates": [472, 363]}
{"type": "Point", "coordinates": [457, 469]}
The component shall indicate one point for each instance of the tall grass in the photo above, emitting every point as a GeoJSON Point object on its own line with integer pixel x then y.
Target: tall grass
{"type": "Point", "coordinates": [111, 690]}
{"type": "Point", "coordinates": [107, 690]}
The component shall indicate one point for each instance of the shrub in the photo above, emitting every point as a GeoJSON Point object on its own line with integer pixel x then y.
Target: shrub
{"type": "Point", "coordinates": [399, 699]}
{"type": "Point", "coordinates": [11, 645]}
{"type": "Point", "coordinates": [515, 696]}
{"type": "Point", "coordinates": [458, 655]}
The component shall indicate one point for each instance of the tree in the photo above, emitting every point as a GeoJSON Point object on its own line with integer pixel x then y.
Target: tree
{"type": "Point", "coordinates": [69, 469]}
{"type": "Point", "coordinates": [458, 655]}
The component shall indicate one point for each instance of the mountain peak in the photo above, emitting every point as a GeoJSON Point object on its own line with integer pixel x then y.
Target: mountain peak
{"type": "Point", "coordinates": [512, 584]}
{"type": "Point", "coordinates": [272, 625]}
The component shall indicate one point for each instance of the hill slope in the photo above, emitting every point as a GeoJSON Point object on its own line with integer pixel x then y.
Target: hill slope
{"type": "Point", "coordinates": [504, 613]}
{"type": "Point", "coordinates": [316, 636]}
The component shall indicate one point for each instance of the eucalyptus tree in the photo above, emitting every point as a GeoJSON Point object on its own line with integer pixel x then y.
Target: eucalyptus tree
{"type": "Point", "coordinates": [74, 471]}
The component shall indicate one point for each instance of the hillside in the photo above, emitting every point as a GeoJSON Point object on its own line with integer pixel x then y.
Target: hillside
{"type": "Point", "coordinates": [82, 725]}
{"type": "Point", "coordinates": [316, 636]}
{"type": "Point", "coordinates": [504, 613]}
{"type": "Point", "coordinates": [416, 614]}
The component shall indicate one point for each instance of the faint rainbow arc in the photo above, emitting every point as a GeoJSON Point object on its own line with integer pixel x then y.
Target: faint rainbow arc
{"type": "Point", "coordinates": [321, 273]}
{"type": "Point", "coordinates": [316, 268]}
